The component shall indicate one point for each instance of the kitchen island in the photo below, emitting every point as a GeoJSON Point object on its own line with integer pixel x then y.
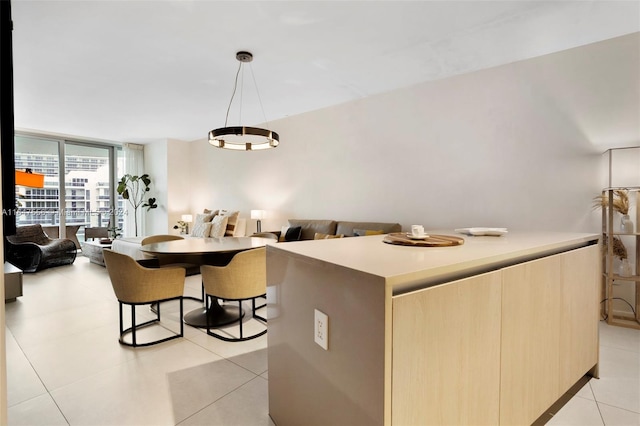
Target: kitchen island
{"type": "Point", "coordinates": [490, 332]}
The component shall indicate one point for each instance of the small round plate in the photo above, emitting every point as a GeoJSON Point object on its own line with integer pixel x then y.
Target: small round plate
{"type": "Point", "coordinates": [416, 237]}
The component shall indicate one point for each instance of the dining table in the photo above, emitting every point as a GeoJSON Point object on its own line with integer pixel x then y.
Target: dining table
{"type": "Point", "coordinates": [207, 251]}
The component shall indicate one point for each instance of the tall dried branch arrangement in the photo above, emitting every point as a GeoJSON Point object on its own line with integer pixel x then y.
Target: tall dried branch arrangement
{"type": "Point", "coordinates": [620, 201]}
{"type": "Point", "coordinates": [619, 250]}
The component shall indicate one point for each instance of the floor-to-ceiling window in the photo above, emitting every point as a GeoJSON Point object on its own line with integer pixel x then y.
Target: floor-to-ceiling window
{"type": "Point", "coordinates": [80, 197]}
{"type": "Point", "coordinates": [38, 205]}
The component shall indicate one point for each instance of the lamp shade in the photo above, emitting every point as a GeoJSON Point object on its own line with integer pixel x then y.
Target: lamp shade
{"type": "Point", "coordinates": [187, 218]}
{"type": "Point", "coordinates": [33, 180]}
{"type": "Point", "coordinates": [257, 214]}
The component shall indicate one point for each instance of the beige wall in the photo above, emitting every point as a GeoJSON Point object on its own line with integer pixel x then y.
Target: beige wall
{"type": "Point", "coordinates": [167, 163]}
{"type": "Point", "coordinates": [156, 166]}
{"type": "Point", "coordinates": [178, 182]}
{"type": "Point", "coordinates": [518, 145]}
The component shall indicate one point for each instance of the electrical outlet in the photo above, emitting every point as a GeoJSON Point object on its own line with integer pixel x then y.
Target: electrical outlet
{"type": "Point", "coordinates": [321, 329]}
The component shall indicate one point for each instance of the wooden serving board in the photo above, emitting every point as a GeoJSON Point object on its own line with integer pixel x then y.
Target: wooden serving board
{"type": "Point", "coordinates": [400, 238]}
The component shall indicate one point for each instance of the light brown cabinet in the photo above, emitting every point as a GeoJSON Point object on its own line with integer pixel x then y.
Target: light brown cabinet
{"type": "Point", "coordinates": [549, 331]}
{"type": "Point", "coordinates": [498, 348]}
{"type": "Point", "coordinates": [446, 353]}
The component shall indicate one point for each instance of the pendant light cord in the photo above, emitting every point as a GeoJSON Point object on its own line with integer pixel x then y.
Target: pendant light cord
{"type": "Point", "coordinates": [235, 86]}
{"type": "Point", "coordinates": [259, 98]}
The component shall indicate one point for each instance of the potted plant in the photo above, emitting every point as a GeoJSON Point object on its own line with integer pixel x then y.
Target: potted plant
{"type": "Point", "coordinates": [620, 204]}
{"type": "Point", "coordinates": [182, 226]}
{"type": "Point", "coordinates": [113, 233]}
{"type": "Point", "coordinates": [134, 189]}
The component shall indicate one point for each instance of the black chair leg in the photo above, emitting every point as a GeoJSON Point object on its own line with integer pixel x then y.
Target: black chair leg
{"type": "Point", "coordinates": [264, 296]}
{"type": "Point", "coordinates": [181, 316]}
{"type": "Point", "coordinates": [134, 327]}
{"type": "Point", "coordinates": [207, 301]}
{"type": "Point", "coordinates": [133, 324]}
{"type": "Point", "coordinates": [240, 325]}
{"type": "Point", "coordinates": [240, 320]}
{"type": "Point", "coordinates": [121, 320]}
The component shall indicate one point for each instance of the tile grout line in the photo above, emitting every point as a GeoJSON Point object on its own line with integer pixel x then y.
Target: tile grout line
{"type": "Point", "coordinates": [46, 388]}
{"type": "Point", "coordinates": [70, 413]}
{"type": "Point", "coordinates": [228, 359]}
{"type": "Point", "coordinates": [617, 408]}
{"type": "Point", "coordinates": [222, 397]}
{"type": "Point", "coordinates": [597, 403]}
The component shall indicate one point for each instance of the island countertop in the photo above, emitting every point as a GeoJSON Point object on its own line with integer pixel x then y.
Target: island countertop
{"type": "Point", "coordinates": [405, 268]}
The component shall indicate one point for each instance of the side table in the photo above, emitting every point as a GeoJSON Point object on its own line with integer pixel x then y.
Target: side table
{"type": "Point", "coordinates": [12, 282]}
{"type": "Point", "coordinates": [93, 250]}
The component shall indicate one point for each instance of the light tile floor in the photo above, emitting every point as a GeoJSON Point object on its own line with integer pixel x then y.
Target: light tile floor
{"type": "Point", "coordinates": [65, 365]}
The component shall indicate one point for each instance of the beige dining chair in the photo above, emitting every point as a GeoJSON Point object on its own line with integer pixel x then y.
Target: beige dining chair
{"type": "Point", "coordinates": [136, 285]}
{"type": "Point", "coordinates": [160, 238]}
{"type": "Point", "coordinates": [166, 261]}
{"type": "Point", "coordinates": [244, 278]}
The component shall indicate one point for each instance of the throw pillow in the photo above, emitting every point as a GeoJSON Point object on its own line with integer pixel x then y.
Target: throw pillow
{"type": "Point", "coordinates": [363, 232]}
{"type": "Point", "coordinates": [211, 212]}
{"type": "Point", "coordinates": [283, 232]}
{"type": "Point", "coordinates": [202, 218]}
{"type": "Point", "coordinates": [231, 222]}
{"type": "Point", "coordinates": [218, 226]}
{"type": "Point", "coordinates": [293, 233]}
{"type": "Point", "coordinates": [201, 229]}
{"type": "Point", "coordinates": [321, 236]}
{"type": "Point", "coordinates": [198, 228]}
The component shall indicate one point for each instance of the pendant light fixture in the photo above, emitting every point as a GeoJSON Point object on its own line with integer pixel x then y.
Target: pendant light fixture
{"type": "Point", "coordinates": [242, 138]}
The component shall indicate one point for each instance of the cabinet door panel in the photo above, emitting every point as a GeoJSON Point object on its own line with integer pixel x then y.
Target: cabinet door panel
{"type": "Point", "coordinates": [446, 353]}
{"type": "Point", "coordinates": [531, 307]}
{"type": "Point", "coordinates": [580, 313]}
{"type": "Point", "coordinates": [549, 330]}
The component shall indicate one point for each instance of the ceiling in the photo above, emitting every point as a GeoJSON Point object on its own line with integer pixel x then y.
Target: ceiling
{"type": "Point", "coordinates": [145, 70]}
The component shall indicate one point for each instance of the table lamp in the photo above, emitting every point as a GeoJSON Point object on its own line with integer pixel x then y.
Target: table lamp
{"type": "Point", "coordinates": [259, 215]}
{"type": "Point", "coordinates": [187, 219]}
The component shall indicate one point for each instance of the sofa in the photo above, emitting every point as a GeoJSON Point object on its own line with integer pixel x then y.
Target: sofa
{"type": "Point", "coordinates": [31, 250]}
{"type": "Point", "coordinates": [307, 229]}
{"type": "Point", "coordinates": [202, 227]}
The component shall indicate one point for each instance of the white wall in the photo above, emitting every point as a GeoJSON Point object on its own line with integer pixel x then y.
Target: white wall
{"type": "Point", "coordinates": [624, 166]}
{"type": "Point", "coordinates": [518, 146]}
{"type": "Point", "coordinates": [179, 182]}
{"type": "Point", "coordinates": [168, 164]}
{"type": "Point", "coordinates": [155, 165]}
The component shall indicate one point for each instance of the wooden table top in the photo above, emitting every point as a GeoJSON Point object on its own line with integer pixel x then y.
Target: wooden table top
{"type": "Point", "coordinates": [206, 245]}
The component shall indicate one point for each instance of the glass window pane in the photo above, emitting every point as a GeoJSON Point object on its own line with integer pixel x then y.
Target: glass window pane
{"type": "Point", "coordinates": [87, 188]}
{"type": "Point", "coordinates": [38, 205]}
